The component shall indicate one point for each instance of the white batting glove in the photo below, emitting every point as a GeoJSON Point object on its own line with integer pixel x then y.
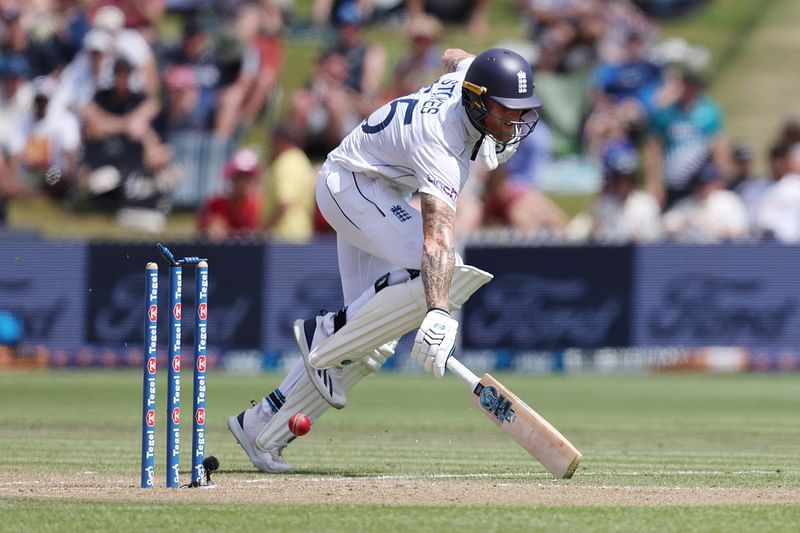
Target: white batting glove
{"type": "Point", "coordinates": [435, 341]}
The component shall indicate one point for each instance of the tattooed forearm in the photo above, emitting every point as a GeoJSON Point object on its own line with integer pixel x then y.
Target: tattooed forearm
{"type": "Point", "coordinates": [452, 57]}
{"type": "Point", "coordinates": [438, 253]}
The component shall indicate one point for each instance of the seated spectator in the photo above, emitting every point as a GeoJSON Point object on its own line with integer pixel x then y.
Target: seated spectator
{"type": "Point", "coordinates": [48, 158]}
{"type": "Point", "coordinates": [322, 113]}
{"type": "Point", "coordinates": [473, 13]}
{"type": "Point", "coordinates": [249, 55]}
{"type": "Point", "coordinates": [131, 45]}
{"type": "Point", "coordinates": [120, 140]}
{"type": "Point", "coordinates": [623, 91]}
{"type": "Point", "coordinates": [623, 213]}
{"type": "Point", "coordinates": [366, 62]}
{"type": "Point", "coordinates": [88, 72]}
{"type": "Point", "coordinates": [194, 51]}
{"type": "Point", "coordinates": [269, 44]}
{"type": "Point", "coordinates": [567, 32]}
{"type": "Point", "coordinates": [493, 200]}
{"type": "Point", "coordinates": [237, 212]}
{"type": "Point", "coordinates": [184, 109]}
{"type": "Point", "coordinates": [778, 212]}
{"type": "Point", "coordinates": [42, 53]}
{"type": "Point", "coordinates": [681, 137]}
{"type": "Point", "coordinates": [710, 213]}
{"type": "Point", "coordinates": [744, 181]}
{"type": "Point", "coordinates": [423, 64]}
{"type": "Point", "coordinates": [288, 190]}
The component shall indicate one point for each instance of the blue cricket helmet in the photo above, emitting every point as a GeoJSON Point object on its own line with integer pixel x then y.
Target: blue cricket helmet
{"type": "Point", "coordinates": [505, 77]}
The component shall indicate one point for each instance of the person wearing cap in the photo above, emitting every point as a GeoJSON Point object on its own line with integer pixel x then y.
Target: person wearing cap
{"type": "Point", "coordinates": [422, 64]}
{"type": "Point", "coordinates": [129, 43]}
{"type": "Point", "coordinates": [711, 213]}
{"type": "Point", "coordinates": [681, 135]}
{"type": "Point", "coordinates": [623, 212]}
{"type": "Point", "coordinates": [237, 212]}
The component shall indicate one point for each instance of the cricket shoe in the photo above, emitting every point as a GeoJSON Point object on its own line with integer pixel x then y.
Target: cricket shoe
{"type": "Point", "coordinates": [328, 381]}
{"type": "Point", "coordinates": [245, 428]}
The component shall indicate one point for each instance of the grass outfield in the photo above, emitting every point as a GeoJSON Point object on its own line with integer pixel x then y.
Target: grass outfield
{"type": "Point", "coordinates": [661, 453]}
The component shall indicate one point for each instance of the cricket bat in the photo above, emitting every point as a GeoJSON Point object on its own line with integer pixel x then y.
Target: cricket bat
{"type": "Point", "coordinates": [527, 427]}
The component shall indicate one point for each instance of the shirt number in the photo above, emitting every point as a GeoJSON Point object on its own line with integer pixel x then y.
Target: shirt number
{"type": "Point", "coordinates": [410, 105]}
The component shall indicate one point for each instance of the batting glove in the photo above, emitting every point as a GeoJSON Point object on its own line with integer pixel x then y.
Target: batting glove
{"type": "Point", "coordinates": [435, 341]}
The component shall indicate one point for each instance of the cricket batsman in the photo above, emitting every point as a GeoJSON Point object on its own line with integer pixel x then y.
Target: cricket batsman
{"type": "Point", "coordinates": [398, 265]}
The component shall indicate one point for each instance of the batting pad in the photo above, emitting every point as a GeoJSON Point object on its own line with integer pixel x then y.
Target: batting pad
{"type": "Point", "coordinates": [304, 398]}
{"type": "Point", "coordinates": [391, 313]}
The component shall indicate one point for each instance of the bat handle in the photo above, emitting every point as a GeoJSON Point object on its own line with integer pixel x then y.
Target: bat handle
{"type": "Point", "coordinates": [465, 374]}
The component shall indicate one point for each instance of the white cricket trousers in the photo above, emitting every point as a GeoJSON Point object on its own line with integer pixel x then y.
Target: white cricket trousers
{"type": "Point", "coordinates": [377, 230]}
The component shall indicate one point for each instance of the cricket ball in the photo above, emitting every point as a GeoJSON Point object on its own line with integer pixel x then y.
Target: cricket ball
{"type": "Point", "coordinates": [299, 424]}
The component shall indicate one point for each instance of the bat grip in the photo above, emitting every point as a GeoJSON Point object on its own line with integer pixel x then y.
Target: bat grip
{"type": "Point", "coordinates": [465, 374]}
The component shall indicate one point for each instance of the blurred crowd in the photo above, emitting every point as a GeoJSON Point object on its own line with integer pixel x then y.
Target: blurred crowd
{"type": "Point", "coordinates": [106, 104]}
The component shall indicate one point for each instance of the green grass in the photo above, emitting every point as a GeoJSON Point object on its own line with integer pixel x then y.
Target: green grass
{"type": "Point", "coordinates": [71, 516]}
{"type": "Point", "coordinates": [677, 432]}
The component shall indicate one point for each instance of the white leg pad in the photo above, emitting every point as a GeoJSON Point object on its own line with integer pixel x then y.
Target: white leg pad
{"type": "Point", "coordinates": [391, 313]}
{"type": "Point", "coordinates": [304, 398]}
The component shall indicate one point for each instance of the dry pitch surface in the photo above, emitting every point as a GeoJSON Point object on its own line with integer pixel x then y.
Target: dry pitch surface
{"type": "Point", "coordinates": [396, 490]}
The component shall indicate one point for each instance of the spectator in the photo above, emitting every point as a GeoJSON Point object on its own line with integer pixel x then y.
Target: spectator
{"type": "Point", "coordinates": [473, 13]}
{"type": "Point", "coordinates": [366, 62]}
{"type": "Point", "coordinates": [567, 32]}
{"type": "Point", "coordinates": [237, 212]}
{"type": "Point", "coordinates": [42, 53]}
{"type": "Point", "coordinates": [88, 72]}
{"type": "Point", "coordinates": [322, 113]}
{"type": "Point", "coordinates": [623, 91]}
{"type": "Point", "coordinates": [710, 213]}
{"type": "Point", "coordinates": [423, 63]}
{"type": "Point", "coordinates": [185, 109]}
{"type": "Point", "coordinates": [194, 51]}
{"type": "Point", "coordinates": [507, 196]}
{"type": "Point", "coordinates": [52, 139]}
{"type": "Point", "coordinates": [268, 43]}
{"type": "Point", "coordinates": [120, 141]}
{"type": "Point", "coordinates": [289, 190]}
{"type": "Point", "coordinates": [778, 212]}
{"type": "Point", "coordinates": [73, 26]}
{"type": "Point", "coordinates": [681, 137]}
{"type": "Point", "coordinates": [744, 181]}
{"type": "Point", "coordinates": [249, 62]}
{"type": "Point", "coordinates": [622, 213]}
{"type": "Point", "coordinates": [131, 45]}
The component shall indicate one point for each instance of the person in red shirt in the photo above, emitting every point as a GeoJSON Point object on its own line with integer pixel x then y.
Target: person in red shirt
{"type": "Point", "coordinates": [237, 212]}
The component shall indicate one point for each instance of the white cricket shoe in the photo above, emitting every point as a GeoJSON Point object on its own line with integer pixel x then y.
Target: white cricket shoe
{"type": "Point", "coordinates": [245, 428]}
{"type": "Point", "coordinates": [329, 383]}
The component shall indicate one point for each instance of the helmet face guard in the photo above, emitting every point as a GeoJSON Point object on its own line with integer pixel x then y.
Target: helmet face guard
{"type": "Point", "coordinates": [506, 78]}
